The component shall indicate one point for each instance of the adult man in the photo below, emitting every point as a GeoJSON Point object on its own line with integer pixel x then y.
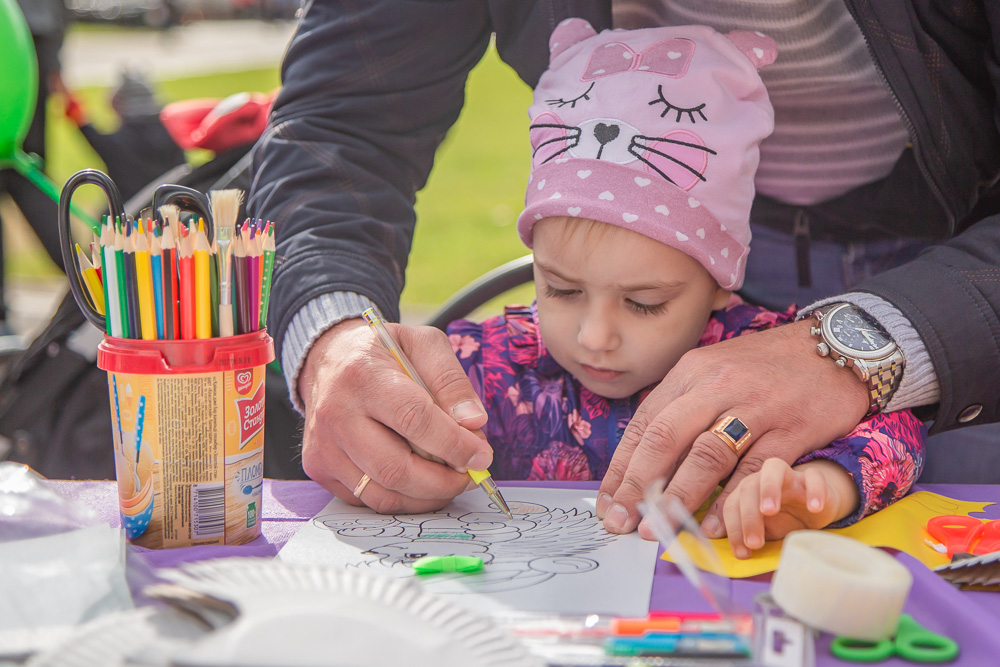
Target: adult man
{"type": "Point", "coordinates": [369, 92]}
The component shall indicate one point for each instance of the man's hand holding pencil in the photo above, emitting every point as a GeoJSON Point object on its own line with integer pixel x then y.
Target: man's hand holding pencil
{"type": "Point", "coordinates": [361, 409]}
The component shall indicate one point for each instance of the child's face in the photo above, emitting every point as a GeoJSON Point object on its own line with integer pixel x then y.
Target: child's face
{"type": "Point", "coordinates": [616, 308]}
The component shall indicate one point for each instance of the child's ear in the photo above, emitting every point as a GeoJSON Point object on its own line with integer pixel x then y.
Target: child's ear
{"type": "Point", "coordinates": [721, 298]}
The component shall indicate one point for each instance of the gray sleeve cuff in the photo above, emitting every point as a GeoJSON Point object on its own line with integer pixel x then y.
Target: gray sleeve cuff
{"type": "Point", "coordinates": [309, 324]}
{"type": "Point", "coordinates": [919, 385]}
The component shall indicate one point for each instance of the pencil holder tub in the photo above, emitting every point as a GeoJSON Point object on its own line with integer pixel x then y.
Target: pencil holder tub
{"type": "Point", "coordinates": [188, 424]}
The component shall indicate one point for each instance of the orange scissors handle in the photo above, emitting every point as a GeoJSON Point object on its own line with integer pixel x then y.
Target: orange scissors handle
{"type": "Point", "coordinates": [956, 532]}
{"type": "Point", "coordinates": [988, 538]}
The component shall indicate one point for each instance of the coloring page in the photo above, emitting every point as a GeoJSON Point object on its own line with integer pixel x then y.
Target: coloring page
{"type": "Point", "coordinates": [555, 556]}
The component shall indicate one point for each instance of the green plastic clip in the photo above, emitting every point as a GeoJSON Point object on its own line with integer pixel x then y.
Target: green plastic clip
{"type": "Point", "coordinates": [439, 564]}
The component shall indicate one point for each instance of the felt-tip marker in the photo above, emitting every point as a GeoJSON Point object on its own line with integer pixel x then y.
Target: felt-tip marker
{"type": "Point", "coordinates": [480, 477]}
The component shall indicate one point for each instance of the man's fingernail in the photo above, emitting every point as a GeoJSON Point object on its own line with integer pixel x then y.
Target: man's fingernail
{"type": "Point", "coordinates": [711, 526]}
{"type": "Point", "coordinates": [614, 521]}
{"type": "Point", "coordinates": [480, 461]}
{"type": "Point", "coordinates": [603, 503]}
{"type": "Point", "coordinates": [466, 410]}
{"type": "Point", "coordinates": [768, 505]}
{"type": "Point", "coordinates": [741, 552]}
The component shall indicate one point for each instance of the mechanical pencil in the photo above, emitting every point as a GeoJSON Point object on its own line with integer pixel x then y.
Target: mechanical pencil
{"type": "Point", "coordinates": [480, 477]}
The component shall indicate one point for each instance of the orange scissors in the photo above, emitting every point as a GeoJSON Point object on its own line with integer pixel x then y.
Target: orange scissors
{"type": "Point", "coordinates": [965, 534]}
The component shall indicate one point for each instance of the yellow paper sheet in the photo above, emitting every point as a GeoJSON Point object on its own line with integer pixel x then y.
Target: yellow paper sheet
{"type": "Point", "coordinates": [900, 526]}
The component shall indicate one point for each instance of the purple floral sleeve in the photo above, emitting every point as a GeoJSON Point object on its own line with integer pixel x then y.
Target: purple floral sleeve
{"type": "Point", "coordinates": [884, 455]}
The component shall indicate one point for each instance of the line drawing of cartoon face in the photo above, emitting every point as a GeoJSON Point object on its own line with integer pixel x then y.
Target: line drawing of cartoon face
{"type": "Point", "coordinates": [539, 544]}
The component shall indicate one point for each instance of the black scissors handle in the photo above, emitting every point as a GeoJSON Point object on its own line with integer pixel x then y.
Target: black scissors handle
{"type": "Point", "coordinates": [116, 208]}
{"type": "Point", "coordinates": [187, 199]}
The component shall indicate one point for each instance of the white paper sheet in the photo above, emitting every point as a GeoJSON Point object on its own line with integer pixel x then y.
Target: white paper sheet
{"type": "Point", "coordinates": [554, 557]}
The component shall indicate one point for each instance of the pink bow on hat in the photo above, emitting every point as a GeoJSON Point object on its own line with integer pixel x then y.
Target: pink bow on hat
{"type": "Point", "coordinates": [668, 58]}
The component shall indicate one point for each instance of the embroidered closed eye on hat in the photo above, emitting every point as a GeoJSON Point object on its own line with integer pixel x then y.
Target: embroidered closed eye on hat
{"type": "Point", "coordinates": [654, 130]}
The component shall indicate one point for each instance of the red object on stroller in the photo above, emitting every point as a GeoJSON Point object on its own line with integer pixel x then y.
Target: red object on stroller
{"type": "Point", "coordinates": [218, 124]}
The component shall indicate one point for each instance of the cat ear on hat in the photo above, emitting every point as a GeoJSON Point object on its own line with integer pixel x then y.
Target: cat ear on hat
{"type": "Point", "coordinates": [568, 33]}
{"type": "Point", "coordinates": [760, 49]}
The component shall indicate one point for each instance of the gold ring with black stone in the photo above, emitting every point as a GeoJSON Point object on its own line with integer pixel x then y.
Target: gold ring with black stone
{"type": "Point", "coordinates": [734, 433]}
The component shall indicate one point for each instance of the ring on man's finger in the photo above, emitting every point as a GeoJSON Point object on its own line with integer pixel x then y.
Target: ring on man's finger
{"type": "Point", "coordinates": [362, 483]}
{"type": "Point", "coordinates": [734, 433]}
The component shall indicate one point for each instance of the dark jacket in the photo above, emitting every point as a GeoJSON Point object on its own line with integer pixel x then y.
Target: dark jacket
{"type": "Point", "coordinates": [371, 87]}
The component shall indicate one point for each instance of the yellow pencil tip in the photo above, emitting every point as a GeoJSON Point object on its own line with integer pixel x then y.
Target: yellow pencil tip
{"type": "Point", "coordinates": [201, 224]}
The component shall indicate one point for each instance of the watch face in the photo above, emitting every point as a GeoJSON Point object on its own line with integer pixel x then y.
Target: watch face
{"type": "Point", "coordinates": [856, 330]}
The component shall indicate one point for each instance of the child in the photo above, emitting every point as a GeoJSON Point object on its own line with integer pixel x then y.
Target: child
{"type": "Point", "coordinates": [140, 151]}
{"type": "Point", "coordinates": [637, 210]}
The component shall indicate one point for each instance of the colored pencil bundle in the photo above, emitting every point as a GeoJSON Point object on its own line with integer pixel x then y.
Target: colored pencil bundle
{"type": "Point", "coordinates": [167, 280]}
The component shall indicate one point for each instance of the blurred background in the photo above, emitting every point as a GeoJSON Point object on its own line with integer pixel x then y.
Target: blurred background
{"type": "Point", "coordinates": [122, 59]}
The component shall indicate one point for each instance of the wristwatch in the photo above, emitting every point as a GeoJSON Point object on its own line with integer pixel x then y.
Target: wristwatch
{"type": "Point", "coordinates": [854, 339]}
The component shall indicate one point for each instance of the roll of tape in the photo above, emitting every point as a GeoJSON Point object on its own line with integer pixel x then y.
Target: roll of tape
{"type": "Point", "coordinates": [839, 585]}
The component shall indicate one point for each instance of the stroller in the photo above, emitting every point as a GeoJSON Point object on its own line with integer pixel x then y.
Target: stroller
{"type": "Point", "coordinates": [54, 411]}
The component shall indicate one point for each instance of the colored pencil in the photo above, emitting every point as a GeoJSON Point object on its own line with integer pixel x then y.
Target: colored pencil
{"type": "Point", "coordinates": [109, 283]}
{"type": "Point", "coordinates": [91, 280]}
{"type": "Point", "coordinates": [131, 283]}
{"type": "Point", "coordinates": [144, 283]}
{"type": "Point", "coordinates": [202, 284]}
{"type": "Point", "coordinates": [265, 290]}
{"type": "Point", "coordinates": [185, 263]}
{"type": "Point", "coordinates": [122, 290]}
{"type": "Point", "coordinates": [240, 278]}
{"type": "Point", "coordinates": [253, 271]}
{"type": "Point", "coordinates": [156, 256]}
{"type": "Point", "coordinates": [171, 293]}
{"type": "Point", "coordinates": [170, 314]}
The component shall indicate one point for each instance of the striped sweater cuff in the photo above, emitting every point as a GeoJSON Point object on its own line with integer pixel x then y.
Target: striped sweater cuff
{"type": "Point", "coordinates": [310, 323]}
{"type": "Point", "coordinates": [919, 385]}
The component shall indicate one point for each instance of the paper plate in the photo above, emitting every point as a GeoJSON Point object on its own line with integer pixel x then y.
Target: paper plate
{"type": "Point", "coordinates": [315, 615]}
{"type": "Point", "coordinates": [145, 636]}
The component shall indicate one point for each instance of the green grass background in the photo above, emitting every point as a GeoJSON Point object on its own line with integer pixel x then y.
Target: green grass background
{"type": "Point", "coordinates": [465, 214]}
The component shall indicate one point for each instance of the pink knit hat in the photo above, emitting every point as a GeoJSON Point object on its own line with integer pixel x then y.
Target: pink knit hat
{"type": "Point", "coordinates": [654, 130]}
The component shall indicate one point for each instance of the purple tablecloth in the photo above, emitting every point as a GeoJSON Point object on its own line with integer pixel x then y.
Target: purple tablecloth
{"type": "Point", "coordinates": [970, 617]}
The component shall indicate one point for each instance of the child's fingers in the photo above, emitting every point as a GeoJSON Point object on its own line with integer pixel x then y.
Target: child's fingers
{"type": "Point", "coordinates": [753, 520]}
{"type": "Point", "coordinates": [734, 525]}
{"type": "Point", "coordinates": [815, 490]}
{"type": "Point", "coordinates": [773, 477]}
{"type": "Point", "coordinates": [744, 523]}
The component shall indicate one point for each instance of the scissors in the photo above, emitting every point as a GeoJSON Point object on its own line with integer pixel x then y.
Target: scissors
{"type": "Point", "coordinates": [185, 198]}
{"type": "Point", "coordinates": [115, 209]}
{"type": "Point", "coordinates": [912, 642]}
{"type": "Point", "coordinates": [965, 534]}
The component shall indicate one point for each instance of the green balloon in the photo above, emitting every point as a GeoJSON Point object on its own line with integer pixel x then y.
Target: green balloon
{"type": "Point", "coordinates": [18, 78]}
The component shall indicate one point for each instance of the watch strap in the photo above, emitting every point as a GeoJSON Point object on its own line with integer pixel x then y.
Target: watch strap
{"type": "Point", "coordinates": [882, 377]}
{"type": "Point", "coordinates": [883, 381]}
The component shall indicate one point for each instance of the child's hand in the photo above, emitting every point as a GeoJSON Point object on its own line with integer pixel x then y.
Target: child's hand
{"type": "Point", "coordinates": [778, 499]}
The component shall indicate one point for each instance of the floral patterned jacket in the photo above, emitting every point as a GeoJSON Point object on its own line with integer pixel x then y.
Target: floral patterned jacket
{"type": "Point", "coordinates": [543, 424]}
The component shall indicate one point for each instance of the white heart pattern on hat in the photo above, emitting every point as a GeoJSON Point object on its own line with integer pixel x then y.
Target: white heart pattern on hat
{"type": "Point", "coordinates": [629, 217]}
{"type": "Point", "coordinates": [573, 211]}
{"type": "Point", "coordinates": [662, 210]}
{"type": "Point", "coordinates": [583, 173]}
{"type": "Point", "coordinates": [606, 196]}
